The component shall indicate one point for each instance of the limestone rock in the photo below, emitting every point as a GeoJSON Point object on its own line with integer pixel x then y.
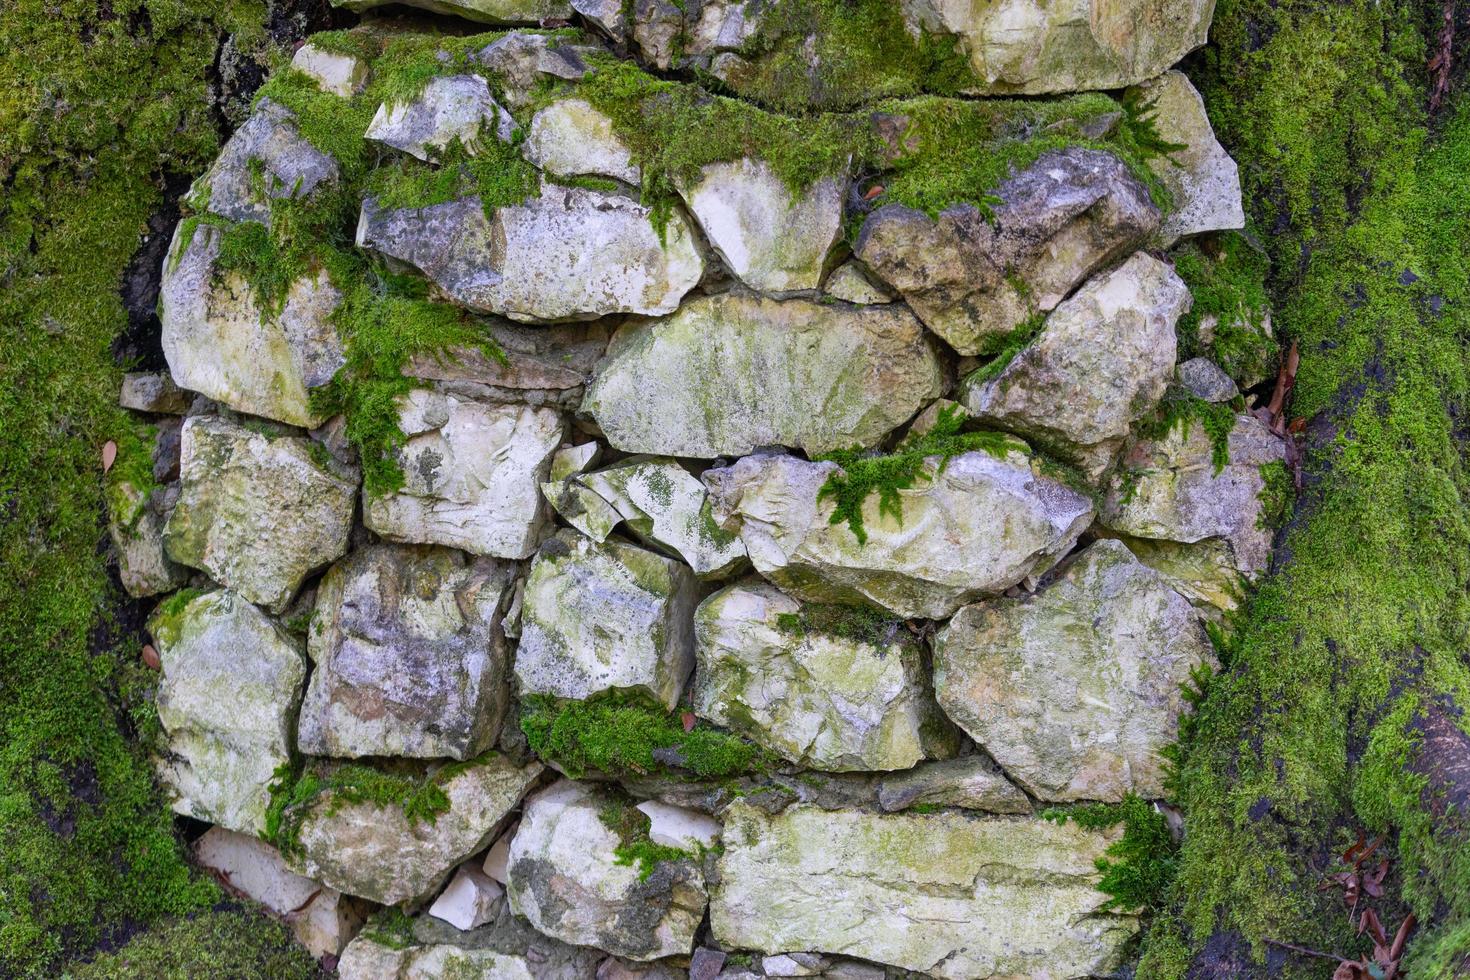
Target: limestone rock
{"type": "Point", "coordinates": [258, 512]}
{"type": "Point", "coordinates": [971, 782]}
{"type": "Point", "coordinates": [220, 341]}
{"type": "Point", "coordinates": [1102, 361]}
{"type": "Point", "coordinates": [1205, 572]}
{"type": "Point", "coordinates": [1203, 379]}
{"type": "Point", "coordinates": [608, 16]}
{"type": "Point", "coordinates": [1169, 489]}
{"type": "Point", "coordinates": [497, 859]}
{"type": "Point", "coordinates": [337, 73]}
{"type": "Point", "coordinates": [501, 12]}
{"type": "Point", "coordinates": [137, 510]}
{"type": "Point", "coordinates": [266, 159]}
{"type": "Point", "coordinates": [658, 29]}
{"type": "Point", "coordinates": [152, 391]}
{"type": "Point", "coordinates": [605, 617]}
{"type": "Point", "coordinates": [1033, 48]}
{"type": "Point", "coordinates": [1077, 690]}
{"type": "Point", "coordinates": [544, 365]}
{"type": "Point", "coordinates": [820, 699]}
{"type": "Point", "coordinates": [468, 902]}
{"type": "Point", "coordinates": [660, 502]}
{"type": "Point", "coordinates": [972, 277]}
{"type": "Point", "coordinates": [227, 702]}
{"type": "Point", "coordinates": [525, 61]}
{"type": "Point", "coordinates": [569, 138]}
{"type": "Point", "coordinates": [727, 374]}
{"type": "Point", "coordinates": [377, 853]}
{"type": "Point", "coordinates": [774, 239]}
{"type": "Point", "coordinates": [410, 659]}
{"type": "Point", "coordinates": [567, 881]}
{"type": "Point", "coordinates": [908, 890]}
{"type": "Point", "coordinates": [675, 826]}
{"type": "Point", "coordinates": [851, 285]}
{"type": "Point", "coordinates": [569, 254]}
{"type": "Point", "coordinates": [975, 526]}
{"type": "Point", "coordinates": [1202, 179]}
{"type": "Point", "coordinates": [450, 107]}
{"type": "Point", "coordinates": [471, 475]}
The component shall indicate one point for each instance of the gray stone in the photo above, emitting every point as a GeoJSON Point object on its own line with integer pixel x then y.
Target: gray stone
{"type": "Point", "coordinates": [608, 16]}
{"type": "Point", "coordinates": [450, 107]}
{"type": "Point", "coordinates": [605, 617]}
{"type": "Point", "coordinates": [1076, 691]}
{"type": "Point", "coordinates": [500, 12]}
{"type": "Point", "coordinates": [266, 159]}
{"type": "Point", "coordinates": [340, 74]}
{"type": "Point", "coordinates": [544, 365]}
{"type": "Point", "coordinates": [569, 254]}
{"type": "Point", "coordinates": [152, 391]}
{"type": "Point", "coordinates": [472, 474]}
{"type": "Point", "coordinates": [1102, 361]}
{"type": "Point", "coordinates": [137, 511]}
{"type": "Point", "coordinates": [1203, 379]}
{"type": "Point", "coordinates": [569, 138]}
{"type": "Point", "coordinates": [410, 658]}
{"type": "Point", "coordinates": [258, 512]}
{"type": "Point", "coordinates": [851, 285]}
{"type": "Point", "coordinates": [972, 277]}
{"type": "Point", "coordinates": [909, 890]}
{"type": "Point", "coordinates": [231, 683]}
{"type": "Point", "coordinates": [976, 525]}
{"type": "Point", "coordinates": [727, 374]}
{"type": "Point", "coordinates": [567, 881]}
{"type": "Point", "coordinates": [817, 698]}
{"type": "Point", "coordinates": [524, 62]}
{"type": "Point", "coordinates": [971, 782]}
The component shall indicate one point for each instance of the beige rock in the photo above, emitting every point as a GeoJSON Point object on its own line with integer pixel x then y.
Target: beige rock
{"type": "Point", "coordinates": [569, 138]}
{"type": "Point", "coordinates": [337, 73]}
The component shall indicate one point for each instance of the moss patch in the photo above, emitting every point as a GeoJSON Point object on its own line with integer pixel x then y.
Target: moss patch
{"type": "Point", "coordinates": [1181, 410]}
{"type": "Point", "coordinates": [631, 825]}
{"type": "Point", "coordinates": [227, 942]}
{"type": "Point", "coordinates": [1138, 867]}
{"type": "Point", "coordinates": [859, 624]}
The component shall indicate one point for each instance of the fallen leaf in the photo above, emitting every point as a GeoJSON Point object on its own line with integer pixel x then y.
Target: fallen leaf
{"type": "Point", "coordinates": [873, 192]}
{"type": "Point", "coordinates": [109, 455]}
{"type": "Point", "coordinates": [150, 657]}
{"type": "Point", "coordinates": [687, 718]}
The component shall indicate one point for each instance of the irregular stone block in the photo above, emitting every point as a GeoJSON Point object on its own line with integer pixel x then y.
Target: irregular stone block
{"type": "Point", "coordinates": [727, 374]}
{"type": "Point", "coordinates": [569, 138]}
{"type": "Point", "coordinates": [450, 107]}
{"type": "Point", "coordinates": [525, 62]}
{"type": "Point", "coordinates": [502, 12]}
{"type": "Point", "coordinates": [337, 73]}
{"type": "Point", "coordinates": [1203, 379]}
{"type": "Point", "coordinates": [544, 365]}
{"type": "Point", "coordinates": [971, 782]}
{"type": "Point", "coordinates": [410, 659]}
{"type": "Point", "coordinates": [676, 826]}
{"type": "Point", "coordinates": [266, 159]}
{"type": "Point", "coordinates": [137, 510]}
{"type": "Point", "coordinates": [851, 285]}
{"type": "Point", "coordinates": [152, 391]}
{"type": "Point", "coordinates": [469, 900]}
{"type": "Point", "coordinates": [1077, 690]}
{"type": "Point", "coordinates": [605, 617]}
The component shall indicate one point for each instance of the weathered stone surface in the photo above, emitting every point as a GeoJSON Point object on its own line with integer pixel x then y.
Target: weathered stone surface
{"type": "Point", "coordinates": [569, 138]}
{"type": "Point", "coordinates": [909, 890]}
{"type": "Point", "coordinates": [525, 61]}
{"type": "Point", "coordinates": [227, 701]}
{"type": "Point", "coordinates": [220, 342]}
{"type": "Point", "coordinates": [472, 474]}
{"type": "Point", "coordinates": [1202, 179]}
{"type": "Point", "coordinates": [266, 159]}
{"type": "Point", "coordinates": [676, 826]}
{"type": "Point", "coordinates": [569, 254]}
{"type": "Point", "coordinates": [258, 512]}
{"type": "Point", "coordinates": [851, 285]}
{"type": "Point", "coordinates": [819, 700]}
{"type": "Point", "coordinates": [375, 851]}
{"type": "Point", "coordinates": [1170, 489]}
{"type": "Point", "coordinates": [567, 882]}
{"type": "Point", "coordinates": [137, 510]}
{"type": "Point", "coordinates": [1077, 690]}
{"type": "Point", "coordinates": [504, 12]}
{"type": "Point", "coordinates": [773, 238]}
{"type": "Point", "coordinates": [660, 502]}
{"type": "Point", "coordinates": [1102, 361]}
{"type": "Point", "coordinates": [469, 900]}
{"type": "Point", "coordinates": [450, 107]}
{"type": "Point", "coordinates": [544, 365]}
{"type": "Point", "coordinates": [152, 391]}
{"type": "Point", "coordinates": [1033, 48]}
{"type": "Point", "coordinates": [605, 617]}
{"type": "Point", "coordinates": [410, 658]}
{"type": "Point", "coordinates": [1203, 379]}
{"type": "Point", "coordinates": [608, 16]}
{"type": "Point", "coordinates": [1205, 572]}
{"type": "Point", "coordinates": [974, 526]}
{"type": "Point", "coordinates": [338, 73]}
{"type": "Point", "coordinates": [971, 782]}
{"type": "Point", "coordinates": [972, 277]}
{"type": "Point", "coordinates": [727, 374]}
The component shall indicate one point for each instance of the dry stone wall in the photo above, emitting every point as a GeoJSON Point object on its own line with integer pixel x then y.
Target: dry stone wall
{"type": "Point", "coordinates": [705, 567]}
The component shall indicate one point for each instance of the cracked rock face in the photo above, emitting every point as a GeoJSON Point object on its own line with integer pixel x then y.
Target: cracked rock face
{"type": "Point", "coordinates": [450, 108]}
{"type": "Point", "coordinates": [266, 159]}
{"type": "Point", "coordinates": [910, 891]}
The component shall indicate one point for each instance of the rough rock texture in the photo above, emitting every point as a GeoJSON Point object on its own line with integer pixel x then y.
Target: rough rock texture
{"type": "Point", "coordinates": [569, 254]}
{"type": "Point", "coordinates": [605, 617]}
{"type": "Point", "coordinates": [227, 701]}
{"type": "Point", "coordinates": [1033, 48]}
{"type": "Point", "coordinates": [1202, 179]}
{"type": "Point", "coordinates": [1202, 378]}
{"type": "Point", "coordinates": [973, 277]}
{"type": "Point", "coordinates": [450, 107]}
{"type": "Point", "coordinates": [676, 826]}
{"type": "Point", "coordinates": [727, 374]}
{"type": "Point", "coordinates": [974, 526]}
{"type": "Point", "coordinates": [266, 159]}
{"type": "Point", "coordinates": [569, 138]}
{"type": "Point", "coordinates": [819, 699]}
{"type": "Point", "coordinates": [137, 510]}
{"type": "Point", "coordinates": [375, 851]}
{"type": "Point", "coordinates": [525, 61]}
{"type": "Point", "coordinates": [258, 512]}
{"type": "Point", "coordinates": [471, 475]}
{"type": "Point", "coordinates": [850, 284]}
{"type": "Point", "coordinates": [1205, 572]}
{"type": "Point", "coordinates": [1077, 690]}
{"type": "Point", "coordinates": [410, 659]}
{"type": "Point", "coordinates": [335, 72]}
{"type": "Point", "coordinates": [544, 365]}
{"type": "Point", "coordinates": [1169, 489]}
{"type": "Point", "coordinates": [972, 782]}
{"type": "Point", "coordinates": [220, 342]}
{"type": "Point", "coordinates": [912, 891]}
{"type": "Point", "coordinates": [660, 502]}
{"type": "Point", "coordinates": [506, 12]}
{"type": "Point", "coordinates": [567, 881]}
{"type": "Point", "coordinates": [469, 900]}
{"type": "Point", "coordinates": [152, 391]}
{"type": "Point", "coordinates": [773, 238]}
{"type": "Point", "coordinates": [1103, 360]}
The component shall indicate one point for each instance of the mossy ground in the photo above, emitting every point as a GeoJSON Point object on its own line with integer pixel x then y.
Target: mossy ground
{"type": "Point", "coordinates": [230, 941]}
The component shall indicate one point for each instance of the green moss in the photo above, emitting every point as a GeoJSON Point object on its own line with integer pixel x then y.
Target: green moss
{"type": "Point", "coordinates": [1139, 866]}
{"type": "Point", "coordinates": [1180, 410]}
{"type": "Point", "coordinates": [392, 927]}
{"type": "Point", "coordinates": [635, 848]}
{"type": "Point", "coordinates": [1277, 496]}
{"type": "Point", "coordinates": [859, 624]}
{"type": "Point", "coordinates": [227, 942]}
{"type": "Point", "coordinates": [620, 733]}
{"type": "Point", "coordinates": [496, 173]}
{"type": "Point", "coordinates": [863, 474]}
{"type": "Point", "coordinates": [1005, 348]}
{"type": "Point", "coordinates": [1228, 289]}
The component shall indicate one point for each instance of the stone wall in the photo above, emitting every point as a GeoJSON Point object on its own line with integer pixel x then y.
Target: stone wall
{"type": "Point", "coordinates": [608, 522]}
